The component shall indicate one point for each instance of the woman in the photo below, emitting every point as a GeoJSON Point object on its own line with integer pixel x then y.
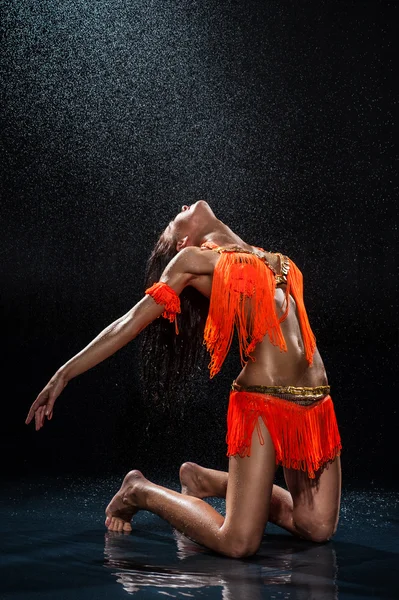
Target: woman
{"type": "Point", "coordinates": [280, 411]}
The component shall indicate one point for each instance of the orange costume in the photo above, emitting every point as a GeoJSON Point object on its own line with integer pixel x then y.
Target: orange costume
{"type": "Point", "coordinates": [301, 420]}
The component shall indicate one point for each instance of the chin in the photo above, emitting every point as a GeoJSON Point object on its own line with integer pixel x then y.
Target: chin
{"type": "Point", "coordinates": [202, 205]}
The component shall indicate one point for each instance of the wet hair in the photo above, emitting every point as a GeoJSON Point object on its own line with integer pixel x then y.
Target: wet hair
{"type": "Point", "coordinates": [169, 361]}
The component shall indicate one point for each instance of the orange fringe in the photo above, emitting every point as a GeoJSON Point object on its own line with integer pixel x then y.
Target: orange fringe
{"type": "Point", "coordinates": [295, 288]}
{"type": "Point", "coordinates": [238, 276]}
{"type": "Point", "coordinates": [162, 293]}
{"type": "Point", "coordinates": [304, 437]}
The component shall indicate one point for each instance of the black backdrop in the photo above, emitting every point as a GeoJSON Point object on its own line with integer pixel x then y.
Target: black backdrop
{"type": "Point", "coordinates": [280, 114]}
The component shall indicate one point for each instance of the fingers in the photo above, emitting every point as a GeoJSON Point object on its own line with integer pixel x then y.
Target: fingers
{"type": "Point", "coordinates": [40, 400]}
{"type": "Point", "coordinates": [39, 413]}
{"type": "Point", "coordinates": [43, 416]}
{"type": "Point", "coordinates": [40, 409]}
{"type": "Point", "coordinates": [31, 414]}
{"type": "Point", "coordinates": [39, 418]}
{"type": "Point", "coordinates": [44, 403]}
{"type": "Point", "coordinates": [49, 407]}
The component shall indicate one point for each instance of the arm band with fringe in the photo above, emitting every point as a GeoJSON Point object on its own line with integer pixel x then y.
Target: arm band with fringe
{"type": "Point", "coordinates": [162, 293]}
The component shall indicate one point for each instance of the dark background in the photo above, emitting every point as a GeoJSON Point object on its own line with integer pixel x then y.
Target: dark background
{"type": "Point", "coordinates": [114, 114]}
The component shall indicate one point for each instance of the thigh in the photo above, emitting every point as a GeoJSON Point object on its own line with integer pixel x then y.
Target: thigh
{"type": "Point", "coordinates": [249, 488]}
{"type": "Point", "coordinates": [319, 497]}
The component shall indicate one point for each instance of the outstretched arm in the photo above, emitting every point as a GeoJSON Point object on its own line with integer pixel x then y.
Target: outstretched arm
{"type": "Point", "coordinates": [178, 274]}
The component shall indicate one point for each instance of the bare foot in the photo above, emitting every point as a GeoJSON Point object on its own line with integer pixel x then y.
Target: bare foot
{"type": "Point", "coordinates": [122, 506]}
{"type": "Point", "coordinates": [194, 481]}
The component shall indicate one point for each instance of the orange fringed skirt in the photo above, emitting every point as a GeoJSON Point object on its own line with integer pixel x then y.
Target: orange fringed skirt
{"type": "Point", "coordinates": [305, 435]}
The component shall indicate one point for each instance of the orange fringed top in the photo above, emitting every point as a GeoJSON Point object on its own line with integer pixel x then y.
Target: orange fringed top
{"type": "Point", "coordinates": [239, 275]}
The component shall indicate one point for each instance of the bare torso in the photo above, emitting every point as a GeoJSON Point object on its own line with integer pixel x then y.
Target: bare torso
{"type": "Point", "coordinates": [271, 366]}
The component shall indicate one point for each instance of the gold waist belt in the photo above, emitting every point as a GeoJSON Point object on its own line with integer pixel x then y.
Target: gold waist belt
{"type": "Point", "coordinates": [299, 395]}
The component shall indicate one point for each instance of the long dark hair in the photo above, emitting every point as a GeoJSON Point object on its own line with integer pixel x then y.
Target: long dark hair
{"type": "Point", "coordinates": [170, 361]}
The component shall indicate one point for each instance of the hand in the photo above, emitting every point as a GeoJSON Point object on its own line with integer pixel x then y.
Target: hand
{"type": "Point", "coordinates": [44, 403]}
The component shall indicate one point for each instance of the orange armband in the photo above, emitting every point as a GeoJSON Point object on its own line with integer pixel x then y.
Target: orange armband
{"type": "Point", "coordinates": [162, 293]}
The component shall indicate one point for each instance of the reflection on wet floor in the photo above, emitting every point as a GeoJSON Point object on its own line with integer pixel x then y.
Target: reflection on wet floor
{"type": "Point", "coordinates": [54, 546]}
{"type": "Point", "coordinates": [290, 569]}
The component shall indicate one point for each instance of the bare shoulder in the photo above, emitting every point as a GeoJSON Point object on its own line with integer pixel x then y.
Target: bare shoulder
{"type": "Point", "coordinates": [191, 266]}
{"type": "Point", "coordinates": [194, 261]}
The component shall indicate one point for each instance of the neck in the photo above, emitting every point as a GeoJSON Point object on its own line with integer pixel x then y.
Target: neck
{"type": "Point", "coordinates": [222, 235]}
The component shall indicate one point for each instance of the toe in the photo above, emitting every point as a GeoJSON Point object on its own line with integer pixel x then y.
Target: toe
{"type": "Point", "coordinates": [127, 528]}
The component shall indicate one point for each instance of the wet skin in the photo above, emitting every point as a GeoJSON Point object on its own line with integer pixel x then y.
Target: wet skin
{"type": "Point", "coordinates": [309, 508]}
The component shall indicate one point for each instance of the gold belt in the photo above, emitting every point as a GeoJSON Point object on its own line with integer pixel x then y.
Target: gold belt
{"type": "Point", "coordinates": [299, 395]}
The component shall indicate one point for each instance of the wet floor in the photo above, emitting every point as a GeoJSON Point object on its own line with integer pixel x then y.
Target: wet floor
{"type": "Point", "coordinates": [54, 546]}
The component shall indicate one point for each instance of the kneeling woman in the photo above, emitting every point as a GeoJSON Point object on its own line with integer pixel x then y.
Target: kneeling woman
{"type": "Point", "coordinates": [280, 411]}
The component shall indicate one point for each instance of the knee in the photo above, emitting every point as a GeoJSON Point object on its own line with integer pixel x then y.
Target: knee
{"type": "Point", "coordinates": [322, 533]}
{"type": "Point", "coordinates": [242, 547]}
{"type": "Point", "coordinates": [316, 530]}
